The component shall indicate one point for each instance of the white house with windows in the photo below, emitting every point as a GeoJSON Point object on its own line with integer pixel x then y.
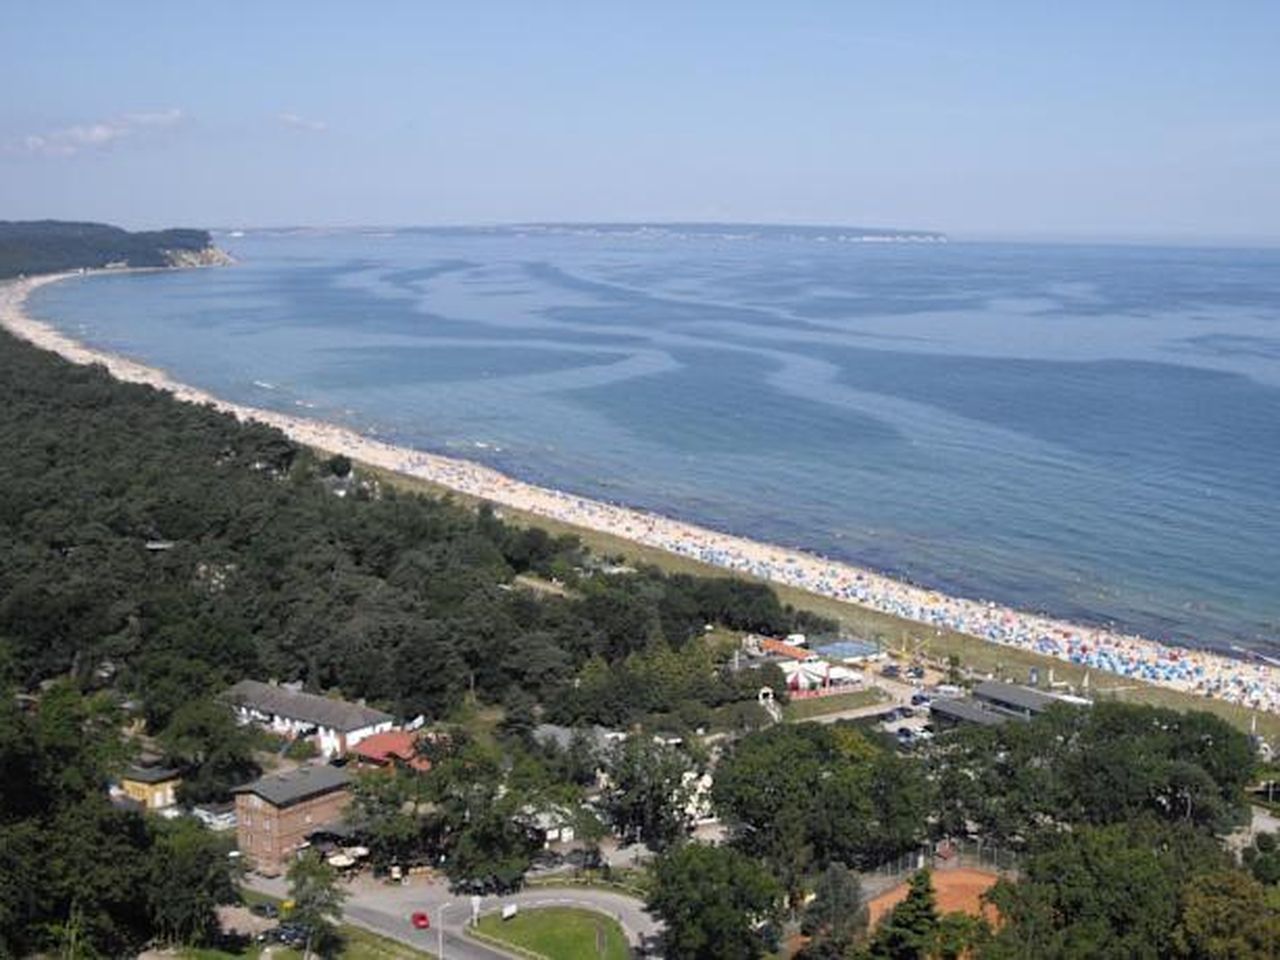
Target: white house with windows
{"type": "Point", "coordinates": [335, 726]}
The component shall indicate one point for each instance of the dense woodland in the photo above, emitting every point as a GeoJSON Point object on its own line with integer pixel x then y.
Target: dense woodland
{"type": "Point", "coordinates": [257, 568]}
{"type": "Point", "coordinates": [49, 246]}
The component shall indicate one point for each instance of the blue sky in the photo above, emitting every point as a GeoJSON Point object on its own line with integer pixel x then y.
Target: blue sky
{"type": "Point", "coordinates": [1085, 120]}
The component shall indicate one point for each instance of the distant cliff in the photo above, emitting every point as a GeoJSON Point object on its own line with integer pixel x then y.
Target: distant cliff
{"type": "Point", "coordinates": [49, 246]}
{"type": "Point", "coordinates": [747, 231]}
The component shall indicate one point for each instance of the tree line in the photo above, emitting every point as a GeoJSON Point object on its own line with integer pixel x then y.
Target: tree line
{"type": "Point", "coordinates": [1116, 814]}
{"type": "Point", "coordinates": [50, 246]}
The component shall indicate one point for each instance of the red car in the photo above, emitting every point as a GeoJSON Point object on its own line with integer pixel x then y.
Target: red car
{"type": "Point", "coordinates": [420, 920]}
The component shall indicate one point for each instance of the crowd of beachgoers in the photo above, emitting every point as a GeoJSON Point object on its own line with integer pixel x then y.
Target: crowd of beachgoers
{"type": "Point", "coordinates": [1250, 683]}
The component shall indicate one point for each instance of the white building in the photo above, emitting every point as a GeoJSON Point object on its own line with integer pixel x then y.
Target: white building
{"type": "Point", "coordinates": [334, 725]}
{"type": "Point", "coordinates": [818, 674]}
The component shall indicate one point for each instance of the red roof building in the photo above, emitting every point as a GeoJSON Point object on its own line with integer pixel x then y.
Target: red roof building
{"type": "Point", "coordinates": [769, 645]}
{"type": "Point", "coordinates": [390, 749]}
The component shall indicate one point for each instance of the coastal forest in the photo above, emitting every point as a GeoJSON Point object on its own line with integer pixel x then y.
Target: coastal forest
{"type": "Point", "coordinates": [50, 246]}
{"type": "Point", "coordinates": [168, 550]}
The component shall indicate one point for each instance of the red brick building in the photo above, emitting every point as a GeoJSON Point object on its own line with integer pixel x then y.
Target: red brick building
{"type": "Point", "coordinates": [276, 814]}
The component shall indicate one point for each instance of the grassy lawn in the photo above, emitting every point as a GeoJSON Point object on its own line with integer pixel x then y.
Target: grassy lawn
{"type": "Point", "coordinates": [560, 933]}
{"type": "Point", "coordinates": [895, 633]}
{"type": "Point", "coordinates": [820, 706]}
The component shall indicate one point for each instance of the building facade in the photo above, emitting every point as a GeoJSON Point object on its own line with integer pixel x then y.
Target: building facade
{"type": "Point", "coordinates": [335, 726]}
{"type": "Point", "coordinates": [155, 788]}
{"type": "Point", "coordinates": [276, 814]}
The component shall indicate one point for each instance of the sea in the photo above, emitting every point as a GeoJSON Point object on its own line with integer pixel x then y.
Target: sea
{"type": "Point", "coordinates": [1091, 432]}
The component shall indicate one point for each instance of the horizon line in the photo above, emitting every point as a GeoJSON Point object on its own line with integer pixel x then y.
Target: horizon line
{"type": "Point", "coordinates": [1012, 237]}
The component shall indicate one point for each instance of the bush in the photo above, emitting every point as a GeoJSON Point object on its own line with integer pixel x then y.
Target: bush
{"type": "Point", "coordinates": [302, 749]}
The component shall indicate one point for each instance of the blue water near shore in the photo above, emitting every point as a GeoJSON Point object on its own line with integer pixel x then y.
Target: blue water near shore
{"type": "Point", "coordinates": [1092, 432]}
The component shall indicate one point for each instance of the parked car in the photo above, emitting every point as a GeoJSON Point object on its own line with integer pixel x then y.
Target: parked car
{"type": "Point", "coordinates": [920, 700]}
{"type": "Point", "coordinates": [916, 673]}
{"type": "Point", "coordinates": [292, 934]}
{"type": "Point", "coordinates": [891, 671]}
{"type": "Point", "coordinates": [420, 920]}
{"type": "Point", "coordinates": [264, 909]}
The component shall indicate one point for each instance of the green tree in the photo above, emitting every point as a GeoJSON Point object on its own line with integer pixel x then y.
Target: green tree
{"type": "Point", "coordinates": [394, 815]}
{"type": "Point", "coordinates": [647, 794]}
{"type": "Point", "coordinates": [190, 876]}
{"type": "Point", "coordinates": [910, 929]}
{"type": "Point", "coordinates": [483, 828]}
{"type": "Point", "coordinates": [1262, 857]}
{"type": "Point", "coordinates": [713, 902]}
{"type": "Point", "coordinates": [317, 899]}
{"type": "Point", "coordinates": [836, 916]}
{"type": "Point", "coordinates": [1225, 916]}
{"type": "Point", "coordinates": [959, 935]}
{"type": "Point", "coordinates": [1106, 892]}
{"type": "Point", "coordinates": [214, 752]}
{"type": "Point", "coordinates": [837, 906]}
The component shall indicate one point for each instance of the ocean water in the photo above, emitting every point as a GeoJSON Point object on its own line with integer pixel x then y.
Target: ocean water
{"type": "Point", "coordinates": [1092, 432]}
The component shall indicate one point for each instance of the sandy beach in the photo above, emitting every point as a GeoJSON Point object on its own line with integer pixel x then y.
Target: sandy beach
{"type": "Point", "coordinates": [1253, 684]}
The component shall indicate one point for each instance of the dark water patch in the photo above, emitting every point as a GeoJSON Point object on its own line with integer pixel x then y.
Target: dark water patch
{"type": "Point", "coordinates": [1130, 413]}
{"type": "Point", "coordinates": [710, 406]}
{"type": "Point", "coordinates": [409, 279]}
{"type": "Point", "coordinates": [1235, 345]}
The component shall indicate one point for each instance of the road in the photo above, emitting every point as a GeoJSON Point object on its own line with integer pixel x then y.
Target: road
{"type": "Point", "coordinates": [899, 695]}
{"type": "Point", "coordinates": [385, 909]}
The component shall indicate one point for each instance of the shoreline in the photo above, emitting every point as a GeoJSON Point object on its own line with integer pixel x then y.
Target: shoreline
{"type": "Point", "coordinates": [1192, 671]}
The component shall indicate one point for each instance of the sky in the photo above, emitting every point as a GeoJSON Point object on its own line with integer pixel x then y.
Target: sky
{"type": "Point", "coordinates": [1088, 120]}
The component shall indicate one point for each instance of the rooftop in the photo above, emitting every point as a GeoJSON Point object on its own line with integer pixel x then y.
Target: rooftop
{"type": "Point", "coordinates": [286, 789]}
{"type": "Point", "coordinates": [969, 711]}
{"type": "Point", "coordinates": [392, 744]}
{"type": "Point", "coordinates": [340, 715]}
{"type": "Point", "coordinates": [769, 645]}
{"type": "Point", "coordinates": [1023, 698]}
{"type": "Point", "coordinates": [152, 774]}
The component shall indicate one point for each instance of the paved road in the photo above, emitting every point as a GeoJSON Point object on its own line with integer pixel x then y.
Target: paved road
{"type": "Point", "coordinates": [856, 713]}
{"type": "Point", "coordinates": [385, 909]}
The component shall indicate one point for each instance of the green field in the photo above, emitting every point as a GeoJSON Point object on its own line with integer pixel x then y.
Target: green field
{"type": "Point", "coordinates": [560, 933]}
{"type": "Point", "coordinates": [895, 633]}
{"type": "Point", "coordinates": [821, 706]}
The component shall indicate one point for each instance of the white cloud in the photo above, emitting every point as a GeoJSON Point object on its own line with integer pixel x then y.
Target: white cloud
{"type": "Point", "coordinates": [302, 123]}
{"type": "Point", "coordinates": [69, 141]}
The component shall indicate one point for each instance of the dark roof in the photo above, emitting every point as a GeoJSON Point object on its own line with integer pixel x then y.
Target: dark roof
{"type": "Point", "coordinates": [286, 789]}
{"type": "Point", "coordinates": [1021, 698]}
{"type": "Point", "coordinates": [340, 715]}
{"type": "Point", "coordinates": [149, 774]}
{"type": "Point", "coordinates": [967, 711]}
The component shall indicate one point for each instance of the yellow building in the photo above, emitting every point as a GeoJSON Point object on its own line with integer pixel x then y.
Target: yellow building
{"type": "Point", "coordinates": [153, 787]}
